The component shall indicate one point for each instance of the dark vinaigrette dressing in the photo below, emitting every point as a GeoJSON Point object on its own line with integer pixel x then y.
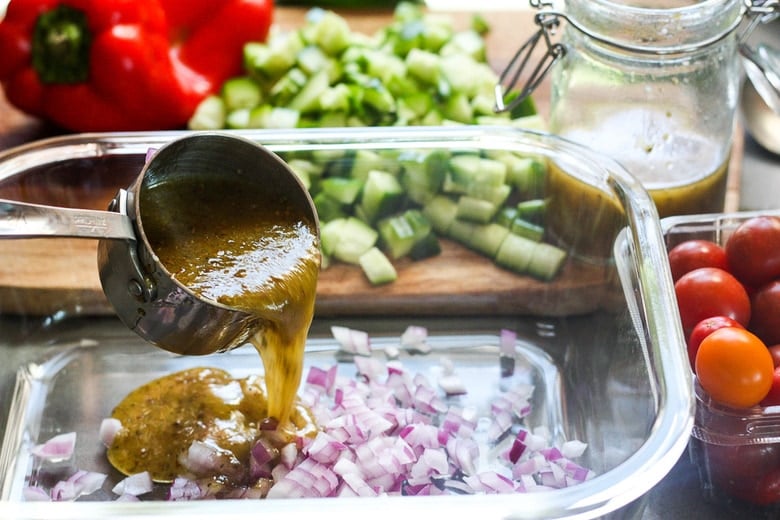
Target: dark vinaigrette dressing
{"type": "Point", "coordinates": [256, 254]}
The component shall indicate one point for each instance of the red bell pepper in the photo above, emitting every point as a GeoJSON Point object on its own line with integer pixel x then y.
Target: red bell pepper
{"type": "Point", "coordinates": [112, 65]}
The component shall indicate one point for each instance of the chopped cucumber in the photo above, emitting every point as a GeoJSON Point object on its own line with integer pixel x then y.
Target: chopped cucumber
{"type": "Point", "coordinates": [377, 267]}
{"type": "Point", "coordinates": [382, 195]}
{"type": "Point", "coordinates": [331, 233]}
{"type": "Point", "coordinates": [241, 92]}
{"type": "Point", "coordinates": [426, 247]}
{"type": "Point", "coordinates": [527, 229]}
{"type": "Point", "coordinates": [209, 115]}
{"type": "Point", "coordinates": [462, 231]}
{"type": "Point", "coordinates": [475, 210]}
{"type": "Point", "coordinates": [487, 239]}
{"type": "Point", "coordinates": [515, 253]}
{"type": "Point", "coordinates": [441, 211]}
{"type": "Point", "coordinates": [400, 233]}
{"type": "Point", "coordinates": [532, 210]}
{"type": "Point", "coordinates": [328, 208]}
{"type": "Point", "coordinates": [342, 189]}
{"type": "Point", "coordinates": [357, 237]}
{"type": "Point", "coordinates": [546, 261]}
{"type": "Point", "coordinates": [417, 70]}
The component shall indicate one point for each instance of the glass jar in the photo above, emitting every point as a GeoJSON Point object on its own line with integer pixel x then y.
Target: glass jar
{"type": "Point", "coordinates": [654, 85]}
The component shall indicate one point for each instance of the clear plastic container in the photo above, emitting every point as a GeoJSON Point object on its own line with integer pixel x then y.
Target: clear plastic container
{"type": "Point", "coordinates": [606, 356]}
{"type": "Point", "coordinates": [736, 451]}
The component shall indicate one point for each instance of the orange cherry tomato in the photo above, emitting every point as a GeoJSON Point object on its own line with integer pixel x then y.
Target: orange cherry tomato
{"type": "Point", "coordinates": [734, 367]}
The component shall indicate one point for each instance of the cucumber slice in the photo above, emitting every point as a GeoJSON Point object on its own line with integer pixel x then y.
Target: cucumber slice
{"type": "Point", "coordinates": [475, 210]}
{"type": "Point", "coordinates": [506, 216]}
{"type": "Point", "coordinates": [364, 161]}
{"type": "Point", "coordinates": [546, 261]}
{"type": "Point", "coordinates": [308, 99]}
{"type": "Point", "coordinates": [527, 175]}
{"type": "Point", "coordinates": [396, 236]}
{"type": "Point", "coordinates": [441, 211]}
{"type": "Point", "coordinates": [357, 238]}
{"type": "Point", "coordinates": [331, 233]}
{"type": "Point", "coordinates": [241, 92]}
{"type": "Point", "coordinates": [426, 247]}
{"type": "Point", "coordinates": [487, 239]}
{"type": "Point", "coordinates": [532, 210]}
{"type": "Point", "coordinates": [382, 195]}
{"type": "Point", "coordinates": [497, 195]}
{"type": "Point", "coordinates": [209, 115]}
{"type": "Point", "coordinates": [377, 267]}
{"type": "Point", "coordinates": [400, 233]}
{"type": "Point", "coordinates": [515, 253]}
{"type": "Point", "coordinates": [342, 189]}
{"type": "Point", "coordinates": [423, 65]}
{"type": "Point", "coordinates": [328, 208]}
{"type": "Point", "coordinates": [266, 116]}
{"type": "Point", "coordinates": [238, 118]}
{"type": "Point", "coordinates": [468, 170]}
{"type": "Point", "coordinates": [527, 229]}
{"type": "Point", "coordinates": [462, 231]}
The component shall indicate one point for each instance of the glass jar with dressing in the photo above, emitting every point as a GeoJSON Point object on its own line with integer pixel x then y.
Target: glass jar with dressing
{"type": "Point", "coordinates": [655, 85]}
{"type": "Point", "coordinates": [652, 83]}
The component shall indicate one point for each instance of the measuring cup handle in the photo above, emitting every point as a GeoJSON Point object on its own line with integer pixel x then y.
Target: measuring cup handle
{"type": "Point", "coordinates": [26, 220]}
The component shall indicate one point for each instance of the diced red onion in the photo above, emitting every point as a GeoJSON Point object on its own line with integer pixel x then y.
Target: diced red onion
{"type": "Point", "coordinates": [507, 342]}
{"type": "Point", "coordinates": [414, 339]}
{"type": "Point", "coordinates": [184, 489]}
{"type": "Point", "coordinates": [357, 486]}
{"type": "Point", "coordinates": [352, 341]}
{"type": "Point", "coordinates": [137, 484]}
{"type": "Point", "coordinates": [109, 427]}
{"type": "Point", "coordinates": [500, 426]}
{"type": "Point", "coordinates": [35, 494]}
{"type": "Point", "coordinates": [387, 432]}
{"type": "Point", "coordinates": [79, 483]}
{"type": "Point", "coordinates": [57, 449]}
{"type": "Point", "coordinates": [573, 449]}
{"type": "Point", "coordinates": [324, 448]}
{"type": "Point", "coordinates": [323, 378]}
{"type": "Point", "coordinates": [288, 455]}
{"type": "Point", "coordinates": [452, 384]}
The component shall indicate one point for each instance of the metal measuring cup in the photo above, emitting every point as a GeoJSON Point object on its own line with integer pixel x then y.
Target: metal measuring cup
{"type": "Point", "coordinates": [143, 292]}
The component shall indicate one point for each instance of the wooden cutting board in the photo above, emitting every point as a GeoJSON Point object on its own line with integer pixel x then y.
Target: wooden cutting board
{"type": "Point", "coordinates": [45, 276]}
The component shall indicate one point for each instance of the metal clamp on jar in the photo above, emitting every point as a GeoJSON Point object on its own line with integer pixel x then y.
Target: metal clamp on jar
{"type": "Point", "coordinates": [656, 88]}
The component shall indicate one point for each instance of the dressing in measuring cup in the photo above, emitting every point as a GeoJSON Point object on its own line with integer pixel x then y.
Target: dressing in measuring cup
{"type": "Point", "coordinates": [227, 253]}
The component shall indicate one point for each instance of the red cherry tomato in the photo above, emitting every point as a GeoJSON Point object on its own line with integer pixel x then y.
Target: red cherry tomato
{"type": "Point", "coordinates": [692, 254]}
{"type": "Point", "coordinates": [765, 314]}
{"type": "Point", "coordinates": [703, 329]}
{"type": "Point", "coordinates": [734, 367]}
{"type": "Point", "coordinates": [742, 463]}
{"type": "Point", "coordinates": [773, 397]}
{"type": "Point", "coordinates": [709, 291]}
{"type": "Point", "coordinates": [775, 351]}
{"type": "Point", "coordinates": [753, 250]}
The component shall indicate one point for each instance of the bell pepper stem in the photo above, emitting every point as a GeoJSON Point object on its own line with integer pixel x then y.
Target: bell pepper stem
{"type": "Point", "coordinates": [61, 44]}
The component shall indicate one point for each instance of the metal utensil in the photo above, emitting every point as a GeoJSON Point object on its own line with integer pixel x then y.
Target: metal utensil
{"type": "Point", "coordinates": [759, 119]}
{"type": "Point", "coordinates": [145, 295]}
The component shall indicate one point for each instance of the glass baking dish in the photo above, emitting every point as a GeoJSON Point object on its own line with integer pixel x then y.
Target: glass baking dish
{"type": "Point", "coordinates": [600, 342]}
